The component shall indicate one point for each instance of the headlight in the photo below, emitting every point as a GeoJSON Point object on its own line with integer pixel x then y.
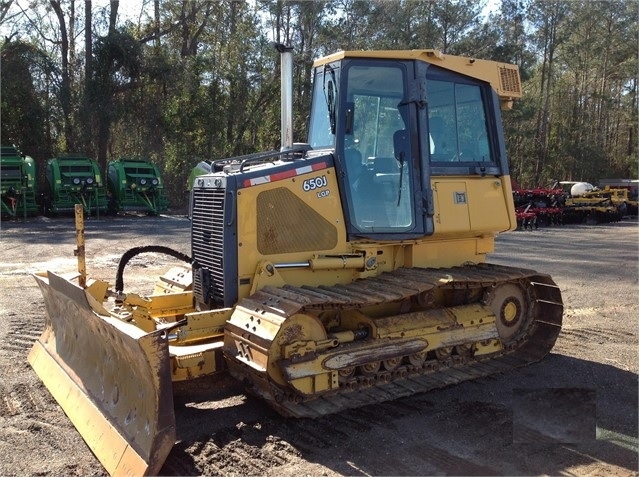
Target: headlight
{"type": "Point", "coordinates": [90, 180]}
{"type": "Point", "coordinates": [155, 182]}
{"type": "Point", "coordinates": [143, 181]}
{"type": "Point", "coordinates": [76, 180]}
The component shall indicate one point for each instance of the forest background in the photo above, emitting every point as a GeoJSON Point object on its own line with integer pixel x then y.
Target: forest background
{"type": "Point", "coordinates": [180, 81]}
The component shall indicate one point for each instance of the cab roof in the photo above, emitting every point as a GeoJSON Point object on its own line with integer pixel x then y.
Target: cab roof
{"type": "Point", "coordinates": [503, 77]}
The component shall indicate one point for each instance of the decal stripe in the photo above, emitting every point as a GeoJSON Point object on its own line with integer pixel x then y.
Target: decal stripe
{"type": "Point", "coordinates": [284, 175]}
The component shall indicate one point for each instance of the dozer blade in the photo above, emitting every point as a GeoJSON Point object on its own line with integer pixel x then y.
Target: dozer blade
{"type": "Point", "coordinates": [111, 379]}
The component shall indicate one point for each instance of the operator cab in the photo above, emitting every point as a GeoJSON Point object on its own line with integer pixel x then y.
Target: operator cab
{"type": "Point", "coordinates": [393, 125]}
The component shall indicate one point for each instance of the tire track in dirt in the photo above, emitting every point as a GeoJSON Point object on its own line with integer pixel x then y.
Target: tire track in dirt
{"type": "Point", "coordinates": [263, 446]}
{"type": "Point", "coordinates": [247, 449]}
{"type": "Point", "coordinates": [24, 399]}
{"type": "Point", "coordinates": [594, 334]}
{"type": "Point", "coordinates": [21, 333]}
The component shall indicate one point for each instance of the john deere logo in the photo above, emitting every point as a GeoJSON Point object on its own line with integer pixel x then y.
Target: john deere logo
{"type": "Point", "coordinates": [460, 197]}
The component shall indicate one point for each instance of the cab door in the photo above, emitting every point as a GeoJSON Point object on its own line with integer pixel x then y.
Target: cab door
{"type": "Point", "coordinates": [378, 150]}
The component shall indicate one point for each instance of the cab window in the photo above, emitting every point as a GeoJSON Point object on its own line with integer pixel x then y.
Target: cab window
{"type": "Point", "coordinates": [322, 120]}
{"type": "Point", "coordinates": [457, 128]}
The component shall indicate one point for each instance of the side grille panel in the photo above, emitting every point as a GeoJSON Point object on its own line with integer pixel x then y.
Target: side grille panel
{"type": "Point", "coordinates": [509, 80]}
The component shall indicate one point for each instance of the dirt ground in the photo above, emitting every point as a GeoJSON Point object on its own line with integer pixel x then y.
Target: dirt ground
{"type": "Point", "coordinates": [574, 413]}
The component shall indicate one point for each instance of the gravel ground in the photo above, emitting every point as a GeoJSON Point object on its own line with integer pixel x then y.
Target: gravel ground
{"type": "Point", "coordinates": [574, 413]}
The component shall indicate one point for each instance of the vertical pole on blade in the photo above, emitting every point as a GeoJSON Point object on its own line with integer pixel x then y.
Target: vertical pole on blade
{"type": "Point", "coordinates": [79, 241]}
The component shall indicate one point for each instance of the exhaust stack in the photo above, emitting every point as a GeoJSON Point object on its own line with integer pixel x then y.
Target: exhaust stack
{"type": "Point", "coordinates": [286, 59]}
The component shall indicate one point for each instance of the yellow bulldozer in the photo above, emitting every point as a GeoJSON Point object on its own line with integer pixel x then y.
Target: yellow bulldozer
{"type": "Point", "coordinates": [337, 273]}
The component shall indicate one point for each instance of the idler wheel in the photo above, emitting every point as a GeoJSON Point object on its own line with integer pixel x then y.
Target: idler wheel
{"type": "Point", "coordinates": [510, 305]}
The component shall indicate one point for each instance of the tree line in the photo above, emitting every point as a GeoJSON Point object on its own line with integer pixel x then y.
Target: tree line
{"type": "Point", "coordinates": [180, 81]}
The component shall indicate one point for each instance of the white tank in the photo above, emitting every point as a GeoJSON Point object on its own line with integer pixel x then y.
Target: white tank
{"type": "Point", "coordinates": [580, 188]}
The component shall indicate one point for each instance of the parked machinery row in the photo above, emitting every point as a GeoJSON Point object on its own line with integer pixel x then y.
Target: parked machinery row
{"type": "Point", "coordinates": [130, 185]}
{"type": "Point", "coordinates": [584, 203]}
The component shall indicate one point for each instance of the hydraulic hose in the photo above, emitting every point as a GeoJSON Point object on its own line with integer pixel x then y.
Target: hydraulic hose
{"type": "Point", "coordinates": [129, 254]}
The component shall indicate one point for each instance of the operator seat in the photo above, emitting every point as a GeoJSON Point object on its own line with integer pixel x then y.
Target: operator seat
{"type": "Point", "coordinates": [441, 147]}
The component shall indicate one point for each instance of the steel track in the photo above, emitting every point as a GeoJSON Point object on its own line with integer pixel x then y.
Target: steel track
{"type": "Point", "coordinates": [531, 345]}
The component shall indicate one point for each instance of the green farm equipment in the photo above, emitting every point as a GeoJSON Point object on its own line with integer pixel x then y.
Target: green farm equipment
{"type": "Point", "coordinates": [74, 179]}
{"type": "Point", "coordinates": [136, 185]}
{"type": "Point", "coordinates": [202, 167]}
{"type": "Point", "coordinates": [17, 183]}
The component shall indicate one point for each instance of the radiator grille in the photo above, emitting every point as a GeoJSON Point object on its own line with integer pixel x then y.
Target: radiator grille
{"type": "Point", "coordinates": [207, 241]}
